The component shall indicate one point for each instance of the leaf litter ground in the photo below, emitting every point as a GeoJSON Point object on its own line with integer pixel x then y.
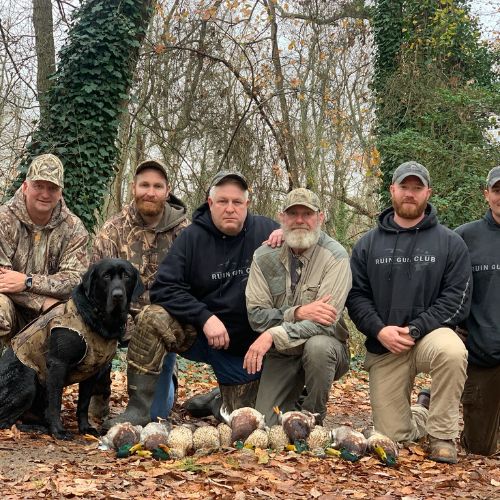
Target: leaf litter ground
{"type": "Point", "coordinates": [38, 466]}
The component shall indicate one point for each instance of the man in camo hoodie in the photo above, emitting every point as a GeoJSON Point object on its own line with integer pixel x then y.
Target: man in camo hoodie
{"type": "Point", "coordinates": [43, 247]}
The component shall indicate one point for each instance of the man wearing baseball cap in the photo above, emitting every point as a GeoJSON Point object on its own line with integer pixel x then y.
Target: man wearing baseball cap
{"type": "Point", "coordinates": [143, 233]}
{"type": "Point", "coordinates": [293, 296]}
{"type": "Point", "coordinates": [411, 287]}
{"type": "Point", "coordinates": [198, 300]}
{"type": "Point", "coordinates": [481, 397]}
{"type": "Point", "coordinates": [43, 247]}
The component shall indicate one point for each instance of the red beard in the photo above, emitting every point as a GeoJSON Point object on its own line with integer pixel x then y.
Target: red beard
{"type": "Point", "coordinates": [149, 208]}
{"type": "Point", "coordinates": [408, 210]}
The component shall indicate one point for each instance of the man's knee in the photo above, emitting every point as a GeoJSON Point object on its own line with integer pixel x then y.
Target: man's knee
{"type": "Point", "coordinates": [449, 348]}
{"type": "Point", "coordinates": [8, 320]}
{"type": "Point", "coordinates": [322, 352]}
{"type": "Point", "coordinates": [156, 334]}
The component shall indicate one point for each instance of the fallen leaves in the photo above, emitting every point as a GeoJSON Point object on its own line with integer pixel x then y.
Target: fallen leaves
{"type": "Point", "coordinates": [35, 466]}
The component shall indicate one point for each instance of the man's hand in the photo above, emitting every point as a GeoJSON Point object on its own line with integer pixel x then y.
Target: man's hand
{"type": "Point", "coordinates": [256, 352]}
{"type": "Point", "coordinates": [319, 311]}
{"type": "Point", "coordinates": [275, 239]}
{"type": "Point", "coordinates": [216, 333]}
{"type": "Point", "coordinates": [12, 281]}
{"type": "Point", "coordinates": [396, 339]}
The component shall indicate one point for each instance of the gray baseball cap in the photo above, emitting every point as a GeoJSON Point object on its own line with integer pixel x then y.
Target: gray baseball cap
{"type": "Point", "coordinates": [220, 177]}
{"type": "Point", "coordinates": [411, 168]}
{"type": "Point", "coordinates": [302, 196]}
{"type": "Point", "coordinates": [155, 165]}
{"type": "Point", "coordinates": [46, 167]}
{"type": "Point", "coordinates": [493, 177]}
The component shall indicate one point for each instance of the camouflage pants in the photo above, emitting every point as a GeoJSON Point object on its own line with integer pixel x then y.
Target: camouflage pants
{"type": "Point", "coordinates": [156, 334]}
{"type": "Point", "coordinates": [8, 320]}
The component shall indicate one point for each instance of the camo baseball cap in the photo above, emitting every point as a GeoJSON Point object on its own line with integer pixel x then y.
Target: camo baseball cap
{"type": "Point", "coordinates": [411, 168]}
{"type": "Point", "coordinates": [493, 177]}
{"type": "Point", "coordinates": [220, 177]}
{"type": "Point", "coordinates": [302, 196]}
{"type": "Point", "coordinates": [154, 164]}
{"type": "Point", "coordinates": [46, 167]}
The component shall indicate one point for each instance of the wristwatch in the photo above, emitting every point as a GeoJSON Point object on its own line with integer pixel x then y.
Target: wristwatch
{"type": "Point", "coordinates": [28, 281]}
{"type": "Point", "coordinates": [414, 332]}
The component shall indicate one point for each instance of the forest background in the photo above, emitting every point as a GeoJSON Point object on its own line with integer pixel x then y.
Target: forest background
{"type": "Point", "coordinates": [331, 95]}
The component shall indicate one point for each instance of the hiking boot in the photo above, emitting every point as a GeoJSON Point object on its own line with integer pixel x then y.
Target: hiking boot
{"type": "Point", "coordinates": [202, 405]}
{"type": "Point", "coordinates": [442, 450]}
{"type": "Point", "coordinates": [424, 398]}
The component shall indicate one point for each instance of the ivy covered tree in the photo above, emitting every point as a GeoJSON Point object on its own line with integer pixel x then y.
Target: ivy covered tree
{"type": "Point", "coordinates": [436, 94]}
{"type": "Point", "coordinates": [88, 94]}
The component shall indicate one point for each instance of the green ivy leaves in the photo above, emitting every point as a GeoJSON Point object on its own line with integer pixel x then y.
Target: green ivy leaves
{"type": "Point", "coordinates": [88, 95]}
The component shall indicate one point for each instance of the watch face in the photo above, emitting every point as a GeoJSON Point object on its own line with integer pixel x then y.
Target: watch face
{"type": "Point", "coordinates": [29, 282]}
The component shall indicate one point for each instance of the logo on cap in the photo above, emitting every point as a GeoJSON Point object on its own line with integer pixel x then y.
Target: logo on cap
{"type": "Point", "coordinates": [411, 168]}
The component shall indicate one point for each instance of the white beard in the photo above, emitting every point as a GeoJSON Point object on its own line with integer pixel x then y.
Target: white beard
{"type": "Point", "coordinates": [301, 239]}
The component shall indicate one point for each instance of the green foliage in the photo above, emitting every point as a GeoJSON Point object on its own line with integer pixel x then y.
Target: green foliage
{"type": "Point", "coordinates": [88, 95]}
{"type": "Point", "coordinates": [437, 103]}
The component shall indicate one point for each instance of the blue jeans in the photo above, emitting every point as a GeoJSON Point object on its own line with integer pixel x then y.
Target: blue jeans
{"type": "Point", "coordinates": [163, 400]}
{"type": "Point", "coordinates": [228, 368]}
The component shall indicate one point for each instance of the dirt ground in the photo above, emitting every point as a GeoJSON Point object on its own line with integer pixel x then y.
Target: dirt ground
{"type": "Point", "coordinates": [38, 466]}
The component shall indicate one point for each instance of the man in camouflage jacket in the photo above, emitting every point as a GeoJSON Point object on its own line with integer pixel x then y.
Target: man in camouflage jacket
{"type": "Point", "coordinates": [143, 233]}
{"type": "Point", "coordinates": [43, 247]}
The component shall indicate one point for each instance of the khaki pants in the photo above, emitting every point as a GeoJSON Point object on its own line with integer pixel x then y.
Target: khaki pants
{"type": "Point", "coordinates": [481, 406]}
{"type": "Point", "coordinates": [8, 320]}
{"type": "Point", "coordinates": [315, 364]}
{"type": "Point", "coordinates": [441, 354]}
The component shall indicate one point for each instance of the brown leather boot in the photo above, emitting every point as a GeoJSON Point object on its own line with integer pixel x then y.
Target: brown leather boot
{"type": "Point", "coordinates": [442, 450]}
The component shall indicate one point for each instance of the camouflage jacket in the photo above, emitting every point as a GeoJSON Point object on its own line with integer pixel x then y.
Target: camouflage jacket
{"type": "Point", "coordinates": [32, 343]}
{"type": "Point", "coordinates": [54, 254]}
{"type": "Point", "coordinates": [126, 236]}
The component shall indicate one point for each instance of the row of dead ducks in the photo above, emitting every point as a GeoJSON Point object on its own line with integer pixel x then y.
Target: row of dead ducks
{"type": "Point", "coordinates": [246, 427]}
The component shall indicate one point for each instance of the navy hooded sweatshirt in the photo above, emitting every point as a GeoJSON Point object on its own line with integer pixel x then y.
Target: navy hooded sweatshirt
{"type": "Point", "coordinates": [419, 275]}
{"type": "Point", "coordinates": [206, 272]}
{"type": "Point", "coordinates": [482, 237]}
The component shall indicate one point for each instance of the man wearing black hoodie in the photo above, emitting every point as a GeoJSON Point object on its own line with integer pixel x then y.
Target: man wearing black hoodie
{"type": "Point", "coordinates": [198, 297]}
{"type": "Point", "coordinates": [411, 287]}
{"type": "Point", "coordinates": [481, 398]}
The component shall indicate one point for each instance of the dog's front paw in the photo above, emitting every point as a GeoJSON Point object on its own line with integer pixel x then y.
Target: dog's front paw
{"type": "Point", "coordinates": [62, 434]}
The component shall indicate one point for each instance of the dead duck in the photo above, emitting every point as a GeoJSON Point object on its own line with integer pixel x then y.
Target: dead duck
{"type": "Point", "coordinates": [278, 440]}
{"type": "Point", "coordinates": [206, 438]}
{"type": "Point", "coordinates": [155, 434]}
{"type": "Point", "coordinates": [180, 441]}
{"type": "Point", "coordinates": [224, 435]}
{"type": "Point", "coordinates": [120, 435]}
{"type": "Point", "coordinates": [258, 439]}
{"type": "Point", "coordinates": [319, 438]}
{"type": "Point", "coordinates": [382, 446]}
{"type": "Point", "coordinates": [297, 425]}
{"type": "Point", "coordinates": [350, 444]}
{"type": "Point", "coordinates": [243, 422]}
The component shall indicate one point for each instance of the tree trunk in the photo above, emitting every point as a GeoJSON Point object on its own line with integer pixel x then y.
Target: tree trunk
{"type": "Point", "coordinates": [45, 52]}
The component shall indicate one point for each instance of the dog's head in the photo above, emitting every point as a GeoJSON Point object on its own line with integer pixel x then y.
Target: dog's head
{"type": "Point", "coordinates": [112, 284]}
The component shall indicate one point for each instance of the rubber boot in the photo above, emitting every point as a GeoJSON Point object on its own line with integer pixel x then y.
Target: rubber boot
{"type": "Point", "coordinates": [141, 391]}
{"type": "Point", "coordinates": [234, 397]}
{"type": "Point", "coordinates": [202, 405]}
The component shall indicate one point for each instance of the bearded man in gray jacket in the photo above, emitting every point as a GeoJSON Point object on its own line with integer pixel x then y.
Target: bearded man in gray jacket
{"type": "Point", "coordinates": [293, 295]}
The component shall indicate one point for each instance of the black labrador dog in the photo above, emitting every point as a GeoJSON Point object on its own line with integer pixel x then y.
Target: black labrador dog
{"type": "Point", "coordinates": [78, 340]}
